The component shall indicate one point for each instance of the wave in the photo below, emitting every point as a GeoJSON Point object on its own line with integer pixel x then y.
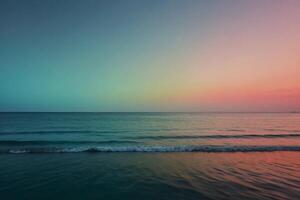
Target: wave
{"type": "Point", "coordinates": [154, 137]}
{"type": "Point", "coordinates": [281, 130]}
{"type": "Point", "coordinates": [106, 149]}
{"type": "Point", "coordinates": [58, 132]}
{"type": "Point", "coordinates": [44, 142]}
{"type": "Point", "coordinates": [215, 136]}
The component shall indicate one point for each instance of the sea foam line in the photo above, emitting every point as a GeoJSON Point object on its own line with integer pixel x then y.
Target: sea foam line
{"type": "Point", "coordinates": [145, 149]}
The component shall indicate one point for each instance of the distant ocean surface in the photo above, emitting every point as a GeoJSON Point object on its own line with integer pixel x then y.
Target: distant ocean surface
{"type": "Point", "coordinates": [149, 156]}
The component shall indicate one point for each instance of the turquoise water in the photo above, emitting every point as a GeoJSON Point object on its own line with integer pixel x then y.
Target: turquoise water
{"type": "Point", "coordinates": [150, 155]}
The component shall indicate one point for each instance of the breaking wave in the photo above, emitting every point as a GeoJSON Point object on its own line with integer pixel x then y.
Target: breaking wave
{"type": "Point", "coordinates": [155, 149]}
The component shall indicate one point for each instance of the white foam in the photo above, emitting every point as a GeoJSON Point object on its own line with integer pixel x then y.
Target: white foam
{"type": "Point", "coordinates": [158, 149]}
{"type": "Point", "coordinates": [18, 151]}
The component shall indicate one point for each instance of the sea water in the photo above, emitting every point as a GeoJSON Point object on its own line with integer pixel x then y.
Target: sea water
{"type": "Point", "coordinates": [150, 156]}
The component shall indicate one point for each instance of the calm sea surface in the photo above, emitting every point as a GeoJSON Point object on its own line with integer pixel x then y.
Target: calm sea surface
{"type": "Point", "coordinates": [149, 156]}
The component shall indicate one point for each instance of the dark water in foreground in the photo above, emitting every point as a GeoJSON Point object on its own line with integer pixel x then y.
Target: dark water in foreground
{"type": "Point", "coordinates": [149, 156]}
{"type": "Point", "coordinates": [260, 175]}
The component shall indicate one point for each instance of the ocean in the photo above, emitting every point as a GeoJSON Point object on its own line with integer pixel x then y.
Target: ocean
{"type": "Point", "coordinates": [149, 156]}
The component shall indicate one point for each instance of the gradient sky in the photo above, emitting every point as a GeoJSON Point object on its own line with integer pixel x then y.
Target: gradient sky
{"type": "Point", "coordinates": [150, 55]}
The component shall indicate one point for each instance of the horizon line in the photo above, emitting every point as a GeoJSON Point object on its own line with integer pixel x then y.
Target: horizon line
{"type": "Point", "coordinates": [149, 111]}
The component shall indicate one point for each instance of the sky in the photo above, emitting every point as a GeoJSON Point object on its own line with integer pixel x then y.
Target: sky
{"type": "Point", "coordinates": [150, 55]}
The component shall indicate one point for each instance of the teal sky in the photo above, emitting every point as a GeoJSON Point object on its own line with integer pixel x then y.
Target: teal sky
{"type": "Point", "coordinates": [76, 55]}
